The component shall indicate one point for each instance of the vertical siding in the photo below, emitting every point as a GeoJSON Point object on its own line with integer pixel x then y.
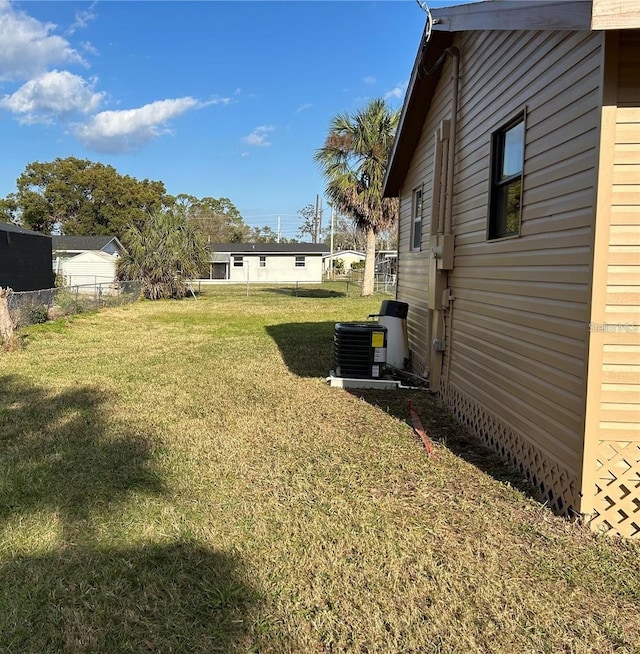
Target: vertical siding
{"type": "Point", "coordinates": [616, 426]}
{"type": "Point", "coordinates": [517, 332]}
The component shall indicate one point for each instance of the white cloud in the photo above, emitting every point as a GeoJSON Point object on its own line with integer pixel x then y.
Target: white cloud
{"type": "Point", "coordinates": [369, 80]}
{"type": "Point", "coordinates": [29, 47]}
{"type": "Point", "coordinates": [83, 18]}
{"type": "Point", "coordinates": [303, 107]}
{"type": "Point", "coordinates": [130, 129]}
{"type": "Point", "coordinates": [260, 136]}
{"type": "Point", "coordinates": [89, 47]}
{"type": "Point", "coordinates": [397, 91]}
{"type": "Point", "coordinates": [217, 100]}
{"type": "Point", "coordinates": [54, 94]}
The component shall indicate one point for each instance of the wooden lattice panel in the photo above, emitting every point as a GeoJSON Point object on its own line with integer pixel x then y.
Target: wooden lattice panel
{"type": "Point", "coordinates": [617, 493]}
{"type": "Point", "coordinates": [556, 485]}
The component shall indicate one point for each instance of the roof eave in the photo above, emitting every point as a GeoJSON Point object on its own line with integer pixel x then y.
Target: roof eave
{"type": "Point", "coordinates": [575, 15]}
{"type": "Point", "coordinates": [416, 104]}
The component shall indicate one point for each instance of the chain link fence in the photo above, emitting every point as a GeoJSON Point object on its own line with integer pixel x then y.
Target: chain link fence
{"type": "Point", "coordinates": [33, 307]}
{"type": "Point", "coordinates": [382, 283]}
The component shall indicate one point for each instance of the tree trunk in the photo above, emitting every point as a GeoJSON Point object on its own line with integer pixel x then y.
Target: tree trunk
{"type": "Point", "coordinates": [369, 264]}
{"type": "Point", "coordinates": [6, 324]}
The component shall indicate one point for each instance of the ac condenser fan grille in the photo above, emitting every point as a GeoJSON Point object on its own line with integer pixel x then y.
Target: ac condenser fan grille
{"type": "Point", "coordinates": [359, 349]}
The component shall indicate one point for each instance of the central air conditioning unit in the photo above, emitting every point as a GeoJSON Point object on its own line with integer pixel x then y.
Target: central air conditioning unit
{"type": "Point", "coordinates": [360, 349]}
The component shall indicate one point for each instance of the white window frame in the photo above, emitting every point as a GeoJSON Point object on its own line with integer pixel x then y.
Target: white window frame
{"type": "Point", "coordinates": [300, 261]}
{"type": "Point", "coordinates": [238, 261]}
{"type": "Point", "coordinates": [262, 261]}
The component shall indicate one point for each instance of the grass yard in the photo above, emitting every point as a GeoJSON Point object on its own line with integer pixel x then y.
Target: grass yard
{"type": "Point", "coordinates": [178, 477]}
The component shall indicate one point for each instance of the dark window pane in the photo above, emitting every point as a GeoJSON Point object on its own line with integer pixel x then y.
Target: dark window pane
{"type": "Point", "coordinates": [417, 233]}
{"type": "Point", "coordinates": [508, 209]}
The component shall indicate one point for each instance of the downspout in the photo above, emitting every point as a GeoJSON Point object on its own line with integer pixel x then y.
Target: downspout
{"type": "Point", "coordinates": [442, 241]}
{"type": "Point", "coordinates": [454, 53]}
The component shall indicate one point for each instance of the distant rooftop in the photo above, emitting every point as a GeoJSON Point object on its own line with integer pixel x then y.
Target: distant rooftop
{"type": "Point", "coordinates": [270, 248]}
{"type": "Point", "coordinates": [70, 243]}
{"type": "Point", "coordinates": [15, 229]}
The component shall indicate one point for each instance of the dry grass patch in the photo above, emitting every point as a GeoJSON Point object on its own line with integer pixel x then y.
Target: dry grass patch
{"type": "Point", "coordinates": [179, 478]}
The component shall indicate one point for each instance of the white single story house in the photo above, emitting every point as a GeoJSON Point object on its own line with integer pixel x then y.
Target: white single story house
{"type": "Point", "coordinates": [348, 257]}
{"type": "Point", "coordinates": [265, 263]}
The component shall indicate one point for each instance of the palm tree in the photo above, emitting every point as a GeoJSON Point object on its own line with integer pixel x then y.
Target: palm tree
{"type": "Point", "coordinates": [354, 161]}
{"type": "Point", "coordinates": [164, 255]}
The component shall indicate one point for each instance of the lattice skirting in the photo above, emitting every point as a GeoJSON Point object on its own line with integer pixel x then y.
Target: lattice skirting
{"type": "Point", "coordinates": [557, 486]}
{"type": "Point", "coordinates": [617, 492]}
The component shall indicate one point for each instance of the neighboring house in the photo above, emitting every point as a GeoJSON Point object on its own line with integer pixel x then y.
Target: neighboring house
{"type": "Point", "coordinates": [517, 166]}
{"type": "Point", "coordinates": [65, 247]}
{"type": "Point", "coordinates": [266, 262]}
{"type": "Point", "coordinates": [386, 262]}
{"type": "Point", "coordinates": [348, 257]}
{"type": "Point", "coordinates": [25, 259]}
{"type": "Point", "coordinates": [89, 268]}
{"type": "Point", "coordinates": [83, 260]}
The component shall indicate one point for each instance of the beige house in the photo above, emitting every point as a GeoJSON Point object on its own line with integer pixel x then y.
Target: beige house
{"type": "Point", "coordinates": [517, 165]}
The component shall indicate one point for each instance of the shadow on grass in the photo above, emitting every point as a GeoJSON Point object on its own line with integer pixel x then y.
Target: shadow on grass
{"type": "Point", "coordinates": [306, 347]}
{"type": "Point", "coordinates": [441, 427]}
{"type": "Point", "coordinates": [62, 453]}
{"type": "Point", "coordinates": [178, 597]}
{"type": "Point", "coordinates": [304, 291]}
{"type": "Point", "coordinates": [66, 464]}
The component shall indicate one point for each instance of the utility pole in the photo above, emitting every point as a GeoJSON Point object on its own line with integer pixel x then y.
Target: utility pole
{"type": "Point", "coordinates": [315, 221]}
{"type": "Point", "coordinates": [320, 222]}
{"type": "Point", "coordinates": [331, 266]}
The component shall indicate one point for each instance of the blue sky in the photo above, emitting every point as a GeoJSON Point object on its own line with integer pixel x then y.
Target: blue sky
{"type": "Point", "coordinates": [222, 99]}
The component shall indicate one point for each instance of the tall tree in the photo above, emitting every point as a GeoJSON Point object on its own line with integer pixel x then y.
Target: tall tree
{"type": "Point", "coordinates": [8, 209]}
{"type": "Point", "coordinates": [309, 226]}
{"type": "Point", "coordinates": [81, 197]}
{"type": "Point", "coordinates": [354, 161]}
{"type": "Point", "coordinates": [217, 219]}
{"type": "Point", "coordinates": [164, 254]}
{"type": "Point", "coordinates": [346, 234]}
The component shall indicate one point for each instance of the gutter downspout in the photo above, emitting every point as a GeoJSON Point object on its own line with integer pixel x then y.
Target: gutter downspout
{"type": "Point", "coordinates": [454, 53]}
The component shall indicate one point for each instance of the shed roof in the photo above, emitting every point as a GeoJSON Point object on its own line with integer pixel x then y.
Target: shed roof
{"type": "Point", "coordinates": [92, 255]}
{"type": "Point", "coordinates": [16, 229]}
{"type": "Point", "coordinates": [340, 253]}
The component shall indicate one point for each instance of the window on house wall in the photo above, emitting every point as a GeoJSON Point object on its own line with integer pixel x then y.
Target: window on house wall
{"type": "Point", "coordinates": [506, 183]}
{"type": "Point", "coordinates": [300, 262]}
{"type": "Point", "coordinates": [238, 262]}
{"type": "Point", "coordinates": [263, 262]}
{"type": "Point", "coordinates": [416, 222]}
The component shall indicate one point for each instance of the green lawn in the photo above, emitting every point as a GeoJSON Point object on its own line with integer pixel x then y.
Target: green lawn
{"type": "Point", "coordinates": [178, 477]}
